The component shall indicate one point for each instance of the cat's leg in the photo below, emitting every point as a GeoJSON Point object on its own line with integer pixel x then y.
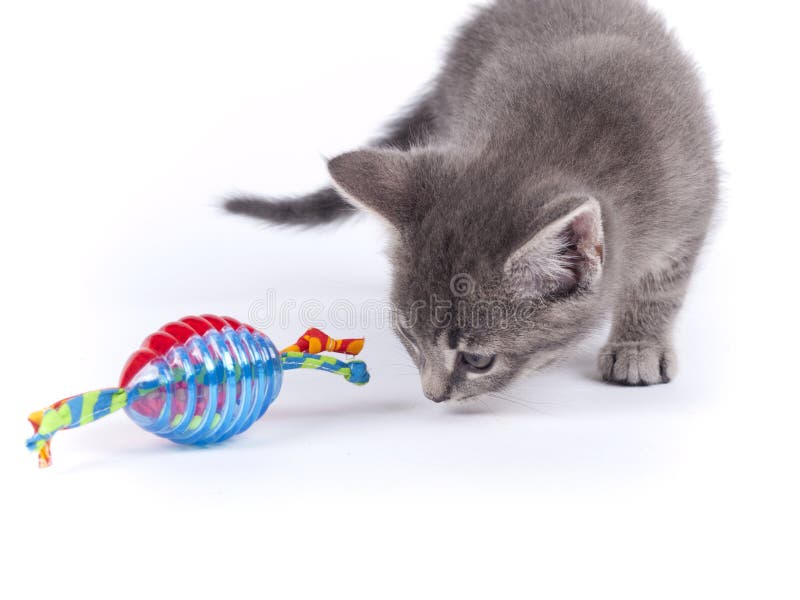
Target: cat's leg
{"type": "Point", "coordinates": [639, 350]}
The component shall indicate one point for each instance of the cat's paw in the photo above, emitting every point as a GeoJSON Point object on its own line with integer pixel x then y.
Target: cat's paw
{"type": "Point", "coordinates": [637, 363]}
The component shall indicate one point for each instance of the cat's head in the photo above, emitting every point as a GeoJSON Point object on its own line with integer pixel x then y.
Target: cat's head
{"type": "Point", "coordinates": [495, 273]}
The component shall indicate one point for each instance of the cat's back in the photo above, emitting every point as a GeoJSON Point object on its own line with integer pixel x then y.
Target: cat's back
{"type": "Point", "coordinates": [598, 87]}
{"type": "Point", "coordinates": [514, 42]}
{"type": "Point", "coordinates": [541, 22]}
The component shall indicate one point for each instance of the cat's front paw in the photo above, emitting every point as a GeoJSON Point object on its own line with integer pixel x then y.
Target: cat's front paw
{"type": "Point", "coordinates": [637, 363]}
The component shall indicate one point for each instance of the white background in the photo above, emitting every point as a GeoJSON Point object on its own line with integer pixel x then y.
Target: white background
{"type": "Point", "coordinates": [121, 127]}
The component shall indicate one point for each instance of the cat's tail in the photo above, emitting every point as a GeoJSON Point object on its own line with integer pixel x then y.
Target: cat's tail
{"type": "Point", "coordinates": [326, 205]}
{"type": "Point", "coordinates": [318, 208]}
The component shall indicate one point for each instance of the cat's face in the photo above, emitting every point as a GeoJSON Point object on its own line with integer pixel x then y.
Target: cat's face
{"type": "Point", "coordinates": [468, 347]}
{"type": "Point", "coordinates": [489, 281]}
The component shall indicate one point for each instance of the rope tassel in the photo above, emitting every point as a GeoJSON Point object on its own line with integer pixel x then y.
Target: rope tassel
{"type": "Point", "coordinates": [70, 413]}
{"type": "Point", "coordinates": [315, 341]}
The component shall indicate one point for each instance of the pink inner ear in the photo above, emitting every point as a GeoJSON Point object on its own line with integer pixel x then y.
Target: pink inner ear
{"type": "Point", "coordinates": [552, 267]}
{"type": "Point", "coordinates": [583, 226]}
{"type": "Point", "coordinates": [600, 251]}
{"type": "Point", "coordinates": [589, 240]}
{"type": "Point", "coordinates": [568, 261]}
{"type": "Point", "coordinates": [558, 261]}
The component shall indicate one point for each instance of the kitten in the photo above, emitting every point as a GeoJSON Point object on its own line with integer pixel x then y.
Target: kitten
{"type": "Point", "coordinates": [561, 168]}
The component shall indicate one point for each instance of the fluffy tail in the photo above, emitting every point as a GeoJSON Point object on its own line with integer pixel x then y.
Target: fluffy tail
{"type": "Point", "coordinates": [323, 206]}
{"type": "Point", "coordinates": [412, 128]}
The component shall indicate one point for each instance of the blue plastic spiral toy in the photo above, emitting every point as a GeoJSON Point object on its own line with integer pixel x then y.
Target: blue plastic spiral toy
{"type": "Point", "coordinates": [200, 381]}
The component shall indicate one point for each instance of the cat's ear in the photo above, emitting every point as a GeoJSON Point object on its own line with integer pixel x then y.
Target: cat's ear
{"type": "Point", "coordinates": [375, 180]}
{"type": "Point", "coordinates": [565, 256]}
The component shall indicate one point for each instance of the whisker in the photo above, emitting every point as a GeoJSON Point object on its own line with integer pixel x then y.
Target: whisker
{"type": "Point", "coordinates": [517, 402]}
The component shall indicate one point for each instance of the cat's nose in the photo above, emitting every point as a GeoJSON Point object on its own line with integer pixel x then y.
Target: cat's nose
{"type": "Point", "coordinates": [436, 397]}
{"type": "Point", "coordinates": [434, 383]}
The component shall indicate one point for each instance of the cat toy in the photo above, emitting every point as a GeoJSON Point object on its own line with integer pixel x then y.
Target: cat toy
{"type": "Point", "coordinates": [198, 381]}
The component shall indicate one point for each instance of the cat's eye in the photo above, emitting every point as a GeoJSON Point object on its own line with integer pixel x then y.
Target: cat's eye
{"type": "Point", "coordinates": [478, 363]}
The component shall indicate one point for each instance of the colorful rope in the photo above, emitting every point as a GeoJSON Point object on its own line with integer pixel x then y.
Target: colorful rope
{"type": "Point", "coordinates": [354, 371]}
{"type": "Point", "coordinates": [315, 341]}
{"type": "Point", "coordinates": [83, 409]}
{"type": "Point", "coordinates": [70, 413]}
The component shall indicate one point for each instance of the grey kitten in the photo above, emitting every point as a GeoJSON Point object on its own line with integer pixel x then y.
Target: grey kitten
{"type": "Point", "coordinates": [561, 168]}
